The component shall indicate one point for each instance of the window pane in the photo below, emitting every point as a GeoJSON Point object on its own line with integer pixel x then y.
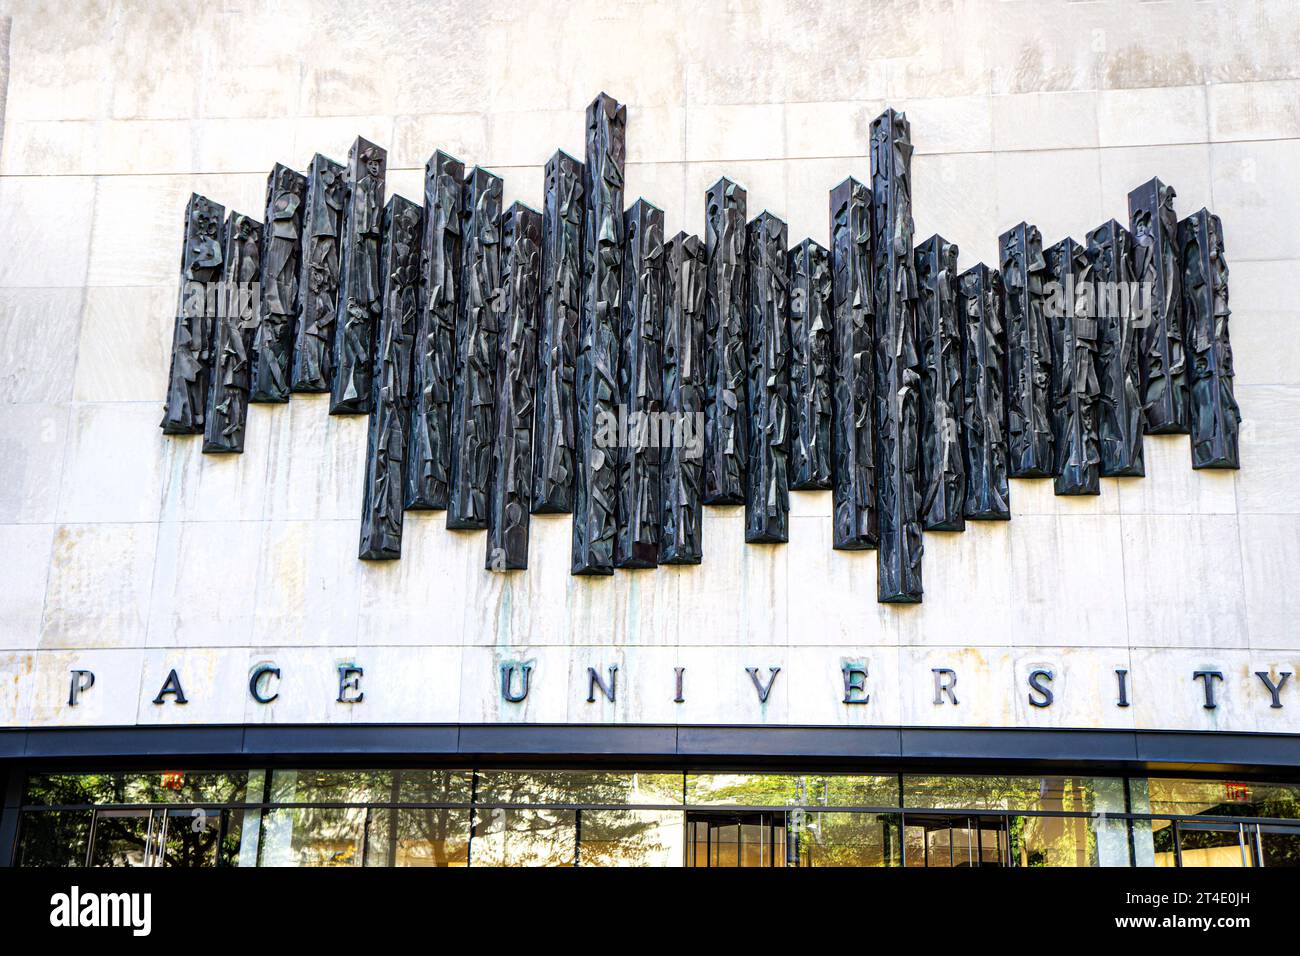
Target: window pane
{"type": "Point", "coordinates": [165, 786]}
{"type": "Point", "coordinates": [577, 787]}
{"type": "Point", "coordinates": [1068, 841]}
{"type": "Point", "coordinates": [632, 838]}
{"type": "Point", "coordinates": [785, 790]}
{"type": "Point", "coordinates": [1213, 847]}
{"type": "Point", "coordinates": [432, 838]}
{"type": "Point", "coordinates": [435, 786]}
{"type": "Point", "coordinates": [331, 786]}
{"type": "Point", "coordinates": [1070, 794]}
{"type": "Point", "coordinates": [523, 837]}
{"type": "Point", "coordinates": [1221, 797]}
{"type": "Point", "coordinates": [53, 837]}
{"type": "Point", "coordinates": [848, 839]}
{"type": "Point", "coordinates": [313, 837]}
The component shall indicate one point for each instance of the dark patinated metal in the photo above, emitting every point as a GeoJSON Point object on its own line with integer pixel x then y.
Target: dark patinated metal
{"type": "Point", "coordinates": [1119, 427]}
{"type": "Point", "coordinates": [984, 411]}
{"type": "Point", "coordinates": [360, 283]}
{"type": "Point", "coordinates": [1071, 317]}
{"type": "Point", "coordinates": [286, 195]}
{"type": "Point", "coordinates": [322, 251]}
{"type": "Point", "coordinates": [1029, 354]}
{"type": "Point", "coordinates": [767, 333]}
{"type": "Point", "coordinates": [943, 470]}
{"type": "Point", "coordinates": [682, 459]}
{"type": "Point", "coordinates": [1161, 356]}
{"type": "Point", "coordinates": [390, 405]}
{"type": "Point", "coordinates": [810, 367]}
{"type": "Point", "coordinates": [724, 345]}
{"type": "Point", "coordinates": [232, 340]}
{"type": "Point", "coordinates": [202, 251]}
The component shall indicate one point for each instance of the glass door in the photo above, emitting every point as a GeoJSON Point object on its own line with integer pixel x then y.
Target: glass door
{"type": "Point", "coordinates": [161, 836]}
{"type": "Point", "coordinates": [736, 839]}
{"type": "Point", "coordinates": [950, 840]}
{"type": "Point", "coordinates": [127, 837]}
{"type": "Point", "coordinates": [1217, 844]}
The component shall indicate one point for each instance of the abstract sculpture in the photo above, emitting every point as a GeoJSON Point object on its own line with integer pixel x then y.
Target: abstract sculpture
{"type": "Point", "coordinates": [853, 404]}
{"type": "Point", "coordinates": [232, 341]}
{"type": "Point", "coordinates": [390, 404]}
{"type": "Point", "coordinates": [640, 388]}
{"type": "Point", "coordinates": [767, 331]}
{"type": "Point", "coordinates": [571, 360]}
{"type": "Point", "coordinates": [898, 399]}
{"type": "Point", "coordinates": [428, 459]}
{"type": "Point", "coordinates": [984, 411]}
{"type": "Point", "coordinates": [196, 312]}
{"type": "Point", "coordinates": [682, 460]}
{"type": "Point", "coordinates": [510, 488]}
{"type": "Point", "coordinates": [1155, 267]}
{"type": "Point", "coordinates": [1070, 316]}
{"type": "Point", "coordinates": [724, 345]}
{"type": "Point", "coordinates": [1214, 416]}
{"type": "Point", "coordinates": [286, 193]}
{"type": "Point", "coordinates": [1110, 255]}
{"type": "Point", "coordinates": [1029, 354]}
{"type": "Point", "coordinates": [557, 337]}
{"type": "Point", "coordinates": [480, 306]}
{"type": "Point", "coordinates": [943, 469]}
{"type": "Point", "coordinates": [810, 367]}
{"type": "Point", "coordinates": [360, 289]}
{"type": "Point", "coordinates": [313, 338]}
{"type": "Point", "coordinates": [597, 360]}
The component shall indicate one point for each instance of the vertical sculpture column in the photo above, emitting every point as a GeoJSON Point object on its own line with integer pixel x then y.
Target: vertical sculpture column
{"type": "Point", "coordinates": [984, 413]}
{"type": "Point", "coordinates": [557, 337]}
{"type": "Point", "coordinates": [1214, 416]}
{"type": "Point", "coordinates": [286, 194]}
{"type": "Point", "coordinates": [682, 459]}
{"type": "Point", "coordinates": [853, 397]}
{"type": "Point", "coordinates": [898, 400]}
{"type": "Point", "coordinates": [1155, 264]}
{"type": "Point", "coordinates": [810, 366]}
{"type": "Point", "coordinates": [322, 249]}
{"type": "Point", "coordinates": [510, 497]}
{"type": "Point", "coordinates": [428, 460]}
{"type": "Point", "coordinates": [360, 292]}
{"type": "Point", "coordinates": [390, 404]}
{"type": "Point", "coordinates": [943, 471]}
{"type": "Point", "coordinates": [1075, 388]}
{"type": "Point", "coordinates": [1110, 254]}
{"type": "Point", "coordinates": [232, 342]}
{"type": "Point", "coordinates": [472, 416]}
{"type": "Point", "coordinates": [640, 388]}
{"type": "Point", "coordinates": [196, 311]}
{"type": "Point", "coordinates": [602, 279]}
{"type": "Point", "coordinates": [724, 345]}
{"type": "Point", "coordinates": [767, 474]}
{"type": "Point", "coordinates": [1029, 354]}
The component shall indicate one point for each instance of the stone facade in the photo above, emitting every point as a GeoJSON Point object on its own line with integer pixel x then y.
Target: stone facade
{"type": "Point", "coordinates": [130, 553]}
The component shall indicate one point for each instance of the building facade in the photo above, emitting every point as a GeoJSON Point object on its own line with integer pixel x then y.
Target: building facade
{"type": "Point", "coordinates": [403, 580]}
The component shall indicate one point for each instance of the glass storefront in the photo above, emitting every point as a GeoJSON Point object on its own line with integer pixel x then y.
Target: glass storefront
{"type": "Point", "coordinates": [560, 817]}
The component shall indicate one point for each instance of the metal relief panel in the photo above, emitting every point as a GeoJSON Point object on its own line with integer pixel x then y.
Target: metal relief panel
{"type": "Point", "coordinates": [597, 362]}
{"type": "Point", "coordinates": [554, 467]}
{"type": "Point", "coordinates": [196, 310]}
{"type": "Point", "coordinates": [286, 195]}
{"type": "Point", "coordinates": [810, 366]}
{"type": "Point", "coordinates": [1161, 358]}
{"type": "Point", "coordinates": [853, 397]}
{"type": "Point", "coordinates": [640, 388]}
{"type": "Point", "coordinates": [360, 292]}
{"type": "Point", "coordinates": [1029, 354]}
{"type": "Point", "coordinates": [1119, 427]}
{"type": "Point", "coordinates": [724, 345]}
{"type": "Point", "coordinates": [322, 249]}
{"type": "Point", "coordinates": [481, 301]}
{"type": "Point", "coordinates": [428, 471]}
{"type": "Point", "coordinates": [390, 405]}
{"type": "Point", "coordinates": [682, 459]}
{"type": "Point", "coordinates": [767, 332]}
{"type": "Point", "coordinates": [1075, 386]}
{"type": "Point", "coordinates": [232, 340]}
{"type": "Point", "coordinates": [510, 494]}
{"type": "Point", "coordinates": [898, 399]}
{"type": "Point", "coordinates": [943, 470]}
{"type": "Point", "coordinates": [1214, 416]}
{"type": "Point", "coordinates": [984, 410]}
